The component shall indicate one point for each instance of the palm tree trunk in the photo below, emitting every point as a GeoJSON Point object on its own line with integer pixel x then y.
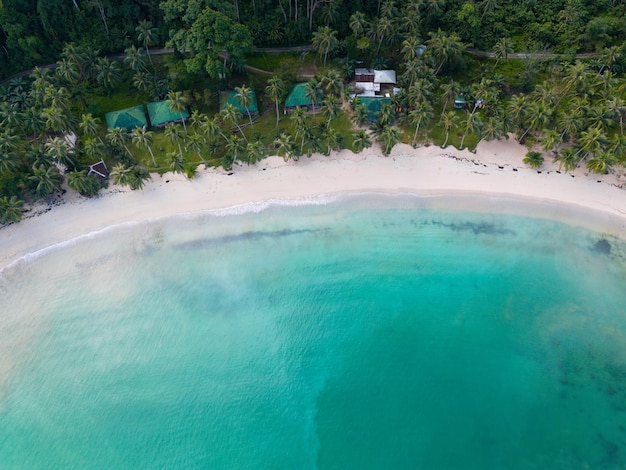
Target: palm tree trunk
{"type": "Point", "coordinates": [417, 128]}
{"type": "Point", "coordinates": [152, 155]}
{"type": "Point", "coordinates": [445, 142]}
{"type": "Point", "coordinates": [277, 114]}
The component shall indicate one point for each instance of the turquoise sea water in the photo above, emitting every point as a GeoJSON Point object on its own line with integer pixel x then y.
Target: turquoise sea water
{"type": "Point", "coordinates": [372, 333]}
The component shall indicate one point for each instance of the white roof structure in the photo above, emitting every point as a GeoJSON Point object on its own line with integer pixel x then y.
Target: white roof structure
{"type": "Point", "coordinates": [385, 76]}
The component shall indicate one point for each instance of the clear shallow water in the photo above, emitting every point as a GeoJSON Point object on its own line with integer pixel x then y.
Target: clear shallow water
{"type": "Point", "coordinates": [368, 333]}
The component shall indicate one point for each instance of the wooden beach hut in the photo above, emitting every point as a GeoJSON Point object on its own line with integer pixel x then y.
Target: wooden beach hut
{"type": "Point", "coordinates": [127, 119]}
{"type": "Point", "coordinates": [160, 113]}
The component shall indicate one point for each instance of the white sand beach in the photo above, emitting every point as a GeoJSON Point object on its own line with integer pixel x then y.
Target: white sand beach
{"type": "Point", "coordinates": [496, 170]}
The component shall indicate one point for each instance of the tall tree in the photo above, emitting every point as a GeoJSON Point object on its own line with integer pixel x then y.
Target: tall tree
{"type": "Point", "coordinates": [177, 103]}
{"type": "Point", "coordinates": [444, 48]}
{"type": "Point", "coordinates": [142, 137]}
{"type": "Point", "coordinates": [325, 41]}
{"type": "Point", "coordinates": [276, 90]}
{"type": "Point", "coordinates": [147, 36]}
{"type": "Point", "coordinates": [244, 96]}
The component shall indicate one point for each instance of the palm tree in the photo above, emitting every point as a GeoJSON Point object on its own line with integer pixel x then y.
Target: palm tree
{"type": "Point", "coordinates": [276, 90]}
{"type": "Point", "coordinates": [176, 135]}
{"type": "Point", "coordinates": [448, 121]}
{"type": "Point", "coordinates": [609, 56]}
{"type": "Point", "coordinates": [121, 174]}
{"type": "Point", "coordinates": [196, 140]}
{"type": "Point", "coordinates": [386, 115]}
{"type": "Point", "coordinates": [591, 140]}
{"type": "Point", "coordinates": [359, 112]}
{"type": "Point", "coordinates": [472, 125]}
{"type": "Point", "coordinates": [360, 141]}
{"type": "Point", "coordinates": [46, 180]}
{"type": "Point", "coordinates": [177, 104]}
{"type": "Point", "coordinates": [107, 73]}
{"type": "Point", "coordinates": [284, 146]}
{"type": "Point", "coordinates": [300, 123]}
{"type": "Point", "coordinates": [601, 163]}
{"type": "Point", "coordinates": [502, 49]}
{"type": "Point", "coordinates": [142, 137]}
{"type": "Point", "coordinates": [389, 137]}
{"type": "Point", "coordinates": [134, 59]}
{"type": "Point", "coordinates": [313, 91]}
{"type": "Point", "coordinates": [380, 30]}
{"type": "Point", "coordinates": [211, 129]}
{"type": "Point", "coordinates": [422, 113]}
{"type": "Point", "coordinates": [138, 176]}
{"type": "Point", "coordinates": [80, 182]}
{"type": "Point", "coordinates": [325, 41]}
{"type": "Point", "coordinates": [332, 83]}
{"type": "Point", "coordinates": [147, 36]}
{"type": "Point", "coordinates": [568, 159]}
{"type": "Point", "coordinates": [244, 96]}
{"type": "Point", "coordinates": [176, 162]}
{"type": "Point", "coordinates": [357, 23]}
{"type": "Point", "coordinates": [409, 48]}
{"type": "Point", "coordinates": [333, 140]}
{"type": "Point", "coordinates": [444, 48]}
{"type": "Point", "coordinates": [330, 108]}
{"type": "Point", "coordinates": [234, 149]}
{"type": "Point", "coordinates": [11, 210]}
{"type": "Point", "coordinates": [255, 152]}
{"type": "Point", "coordinates": [89, 125]}
{"type": "Point", "coordinates": [59, 149]}
{"type": "Point", "coordinates": [232, 114]}
{"type": "Point", "coordinates": [449, 91]}
{"type": "Point", "coordinates": [492, 129]}
{"type": "Point", "coordinates": [117, 137]}
{"type": "Point", "coordinates": [533, 160]}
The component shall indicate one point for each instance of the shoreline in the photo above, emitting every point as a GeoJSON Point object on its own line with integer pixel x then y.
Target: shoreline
{"type": "Point", "coordinates": [495, 173]}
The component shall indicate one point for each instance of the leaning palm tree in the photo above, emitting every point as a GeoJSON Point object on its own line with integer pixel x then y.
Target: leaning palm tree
{"type": "Point", "coordinates": [255, 152]}
{"type": "Point", "coordinates": [275, 89]}
{"type": "Point", "coordinates": [196, 141]}
{"type": "Point", "coordinates": [325, 41]}
{"type": "Point", "coordinates": [330, 108]}
{"type": "Point", "coordinates": [244, 96]}
{"type": "Point", "coordinates": [147, 36]}
{"type": "Point", "coordinates": [284, 146]}
{"type": "Point", "coordinates": [568, 159]}
{"type": "Point", "coordinates": [389, 137]}
{"type": "Point", "coordinates": [448, 121]}
{"type": "Point", "coordinates": [176, 135]}
{"type": "Point", "coordinates": [234, 150]}
{"type": "Point", "coordinates": [117, 137]}
{"type": "Point", "coordinates": [176, 162]}
{"type": "Point", "coordinates": [177, 103]}
{"type": "Point", "coordinates": [232, 114]}
{"type": "Point", "coordinates": [421, 114]}
{"type": "Point", "coordinates": [142, 137]}
{"type": "Point", "coordinates": [133, 59]}
{"type": "Point", "coordinates": [360, 141]}
{"type": "Point", "coordinates": [444, 48]}
{"type": "Point", "coordinates": [601, 163]}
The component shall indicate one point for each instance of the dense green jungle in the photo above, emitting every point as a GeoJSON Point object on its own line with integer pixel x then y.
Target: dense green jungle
{"type": "Point", "coordinates": [550, 72]}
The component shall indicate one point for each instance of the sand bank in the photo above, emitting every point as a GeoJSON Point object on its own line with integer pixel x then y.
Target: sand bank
{"type": "Point", "coordinates": [496, 169]}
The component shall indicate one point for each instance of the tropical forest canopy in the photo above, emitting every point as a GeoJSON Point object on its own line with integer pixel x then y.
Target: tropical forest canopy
{"type": "Point", "coordinates": [34, 32]}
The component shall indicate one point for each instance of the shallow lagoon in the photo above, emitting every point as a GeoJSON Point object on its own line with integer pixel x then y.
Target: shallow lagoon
{"type": "Point", "coordinates": [369, 332]}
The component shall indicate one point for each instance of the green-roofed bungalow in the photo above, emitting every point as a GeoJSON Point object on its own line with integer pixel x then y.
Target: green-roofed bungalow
{"type": "Point", "coordinates": [127, 119]}
{"type": "Point", "coordinates": [160, 113]}
{"type": "Point", "coordinates": [372, 105]}
{"type": "Point", "coordinates": [230, 97]}
{"type": "Point", "coordinates": [297, 98]}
